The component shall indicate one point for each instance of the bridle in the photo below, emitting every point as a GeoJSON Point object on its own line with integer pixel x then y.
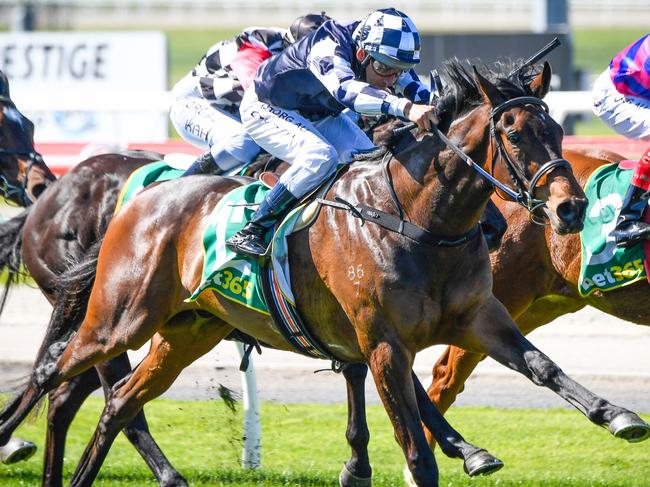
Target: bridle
{"type": "Point", "coordinates": [18, 191]}
{"type": "Point", "coordinates": [525, 188]}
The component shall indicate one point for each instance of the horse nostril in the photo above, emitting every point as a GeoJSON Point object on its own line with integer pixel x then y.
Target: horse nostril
{"type": "Point", "coordinates": [572, 211]}
{"type": "Point", "coordinates": [37, 190]}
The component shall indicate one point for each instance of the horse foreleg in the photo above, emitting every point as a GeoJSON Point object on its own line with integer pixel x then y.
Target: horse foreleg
{"type": "Point", "coordinates": [390, 364]}
{"type": "Point", "coordinates": [449, 374]}
{"type": "Point", "coordinates": [172, 349]}
{"type": "Point", "coordinates": [63, 404]}
{"type": "Point", "coordinates": [137, 431]}
{"type": "Point", "coordinates": [356, 471]}
{"type": "Point", "coordinates": [494, 332]}
{"type": "Point", "coordinates": [476, 460]}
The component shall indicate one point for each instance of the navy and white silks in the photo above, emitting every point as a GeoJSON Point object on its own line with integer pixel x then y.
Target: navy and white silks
{"type": "Point", "coordinates": [294, 111]}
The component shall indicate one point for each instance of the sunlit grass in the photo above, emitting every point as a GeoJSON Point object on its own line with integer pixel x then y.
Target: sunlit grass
{"type": "Point", "coordinates": [305, 445]}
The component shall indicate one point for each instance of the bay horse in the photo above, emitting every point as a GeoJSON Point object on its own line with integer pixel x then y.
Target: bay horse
{"type": "Point", "coordinates": [536, 277]}
{"type": "Point", "coordinates": [412, 294]}
{"type": "Point", "coordinates": [54, 234]}
{"type": "Point", "coordinates": [64, 218]}
{"type": "Point", "coordinates": [57, 231]}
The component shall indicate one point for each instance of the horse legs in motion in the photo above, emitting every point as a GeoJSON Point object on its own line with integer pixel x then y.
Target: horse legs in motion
{"type": "Point", "coordinates": [182, 340]}
{"type": "Point", "coordinates": [357, 471]}
{"type": "Point", "coordinates": [65, 400]}
{"type": "Point", "coordinates": [493, 332]}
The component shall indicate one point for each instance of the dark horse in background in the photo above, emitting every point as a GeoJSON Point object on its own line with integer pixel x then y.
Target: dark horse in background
{"type": "Point", "coordinates": [68, 217]}
{"type": "Point", "coordinates": [413, 294]}
{"type": "Point", "coordinates": [536, 277]}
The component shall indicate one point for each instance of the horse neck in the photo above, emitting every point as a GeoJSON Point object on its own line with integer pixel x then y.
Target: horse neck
{"type": "Point", "coordinates": [437, 189]}
{"type": "Point", "coordinates": [564, 251]}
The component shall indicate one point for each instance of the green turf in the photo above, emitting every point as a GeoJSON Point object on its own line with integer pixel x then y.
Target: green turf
{"type": "Point", "coordinates": [186, 47]}
{"type": "Point", "coordinates": [594, 48]}
{"type": "Point", "coordinates": [305, 445]}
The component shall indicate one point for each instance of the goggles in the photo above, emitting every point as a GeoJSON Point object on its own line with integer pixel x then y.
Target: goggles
{"type": "Point", "coordinates": [384, 70]}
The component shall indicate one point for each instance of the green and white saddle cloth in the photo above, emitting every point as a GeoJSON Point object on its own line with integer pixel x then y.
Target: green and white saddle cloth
{"type": "Point", "coordinates": [231, 275]}
{"type": "Point", "coordinates": [604, 266]}
{"type": "Point", "coordinates": [225, 272]}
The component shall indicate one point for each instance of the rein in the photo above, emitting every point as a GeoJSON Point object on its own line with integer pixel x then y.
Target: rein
{"type": "Point", "coordinates": [524, 196]}
{"type": "Point", "coordinates": [14, 190]}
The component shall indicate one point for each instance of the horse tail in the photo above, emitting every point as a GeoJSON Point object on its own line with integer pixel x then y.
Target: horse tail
{"type": "Point", "coordinates": [11, 252]}
{"type": "Point", "coordinates": [73, 291]}
{"type": "Point", "coordinates": [72, 288]}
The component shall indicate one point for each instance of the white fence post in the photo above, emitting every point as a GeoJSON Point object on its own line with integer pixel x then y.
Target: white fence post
{"type": "Point", "coordinates": [252, 451]}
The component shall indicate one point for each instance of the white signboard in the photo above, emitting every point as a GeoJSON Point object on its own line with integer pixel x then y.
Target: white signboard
{"type": "Point", "coordinates": [76, 86]}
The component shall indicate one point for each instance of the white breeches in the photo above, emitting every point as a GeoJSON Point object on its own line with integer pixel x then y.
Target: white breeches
{"type": "Point", "coordinates": [204, 125]}
{"type": "Point", "coordinates": [312, 148]}
{"type": "Point", "coordinates": [627, 115]}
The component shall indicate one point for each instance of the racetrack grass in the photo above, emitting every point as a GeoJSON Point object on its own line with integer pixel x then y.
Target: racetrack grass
{"type": "Point", "coordinates": [305, 445]}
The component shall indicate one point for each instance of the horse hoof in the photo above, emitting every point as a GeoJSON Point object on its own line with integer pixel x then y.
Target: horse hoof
{"type": "Point", "coordinates": [16, 450]}
{"type": "Point", "coordinates": [346, 479]}
{"type": "Point", "coordinates": [629, 427]}
{"type": "Point", "coordinates": [481, 463]}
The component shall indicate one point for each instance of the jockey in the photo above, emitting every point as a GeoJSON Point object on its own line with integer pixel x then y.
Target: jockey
{"type": "Point", "coordinates": [294, 108]}
{"type": "Point", "coordinates": [206, 107]}
{"type": "Point", "coordinates": [621, 98]}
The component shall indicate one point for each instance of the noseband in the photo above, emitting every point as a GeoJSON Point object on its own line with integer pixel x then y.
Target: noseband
{"type": "Point", "coordinates": [525, 188]}
{"type": "Point", "coordinates": [8, 189]}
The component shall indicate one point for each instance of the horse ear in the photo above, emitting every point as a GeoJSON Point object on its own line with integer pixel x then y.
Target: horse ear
{"type": "Point", "coordinates": [540, 85]}
{"type": "Point", "coordinates": [490, 93]}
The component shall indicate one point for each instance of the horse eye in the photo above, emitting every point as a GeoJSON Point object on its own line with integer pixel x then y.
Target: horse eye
{"type": "Point", "coordinates": [513, 137]}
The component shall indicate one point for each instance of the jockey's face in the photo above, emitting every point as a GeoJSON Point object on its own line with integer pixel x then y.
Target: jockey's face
{"type": "Point", "coordinates": [380, 81]}
{"type": "Point", "coordinates": [378, 75]}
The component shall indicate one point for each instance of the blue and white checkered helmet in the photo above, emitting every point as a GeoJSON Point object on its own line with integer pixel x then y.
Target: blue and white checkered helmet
{"type": "Point", "coordinates": [389, 36]}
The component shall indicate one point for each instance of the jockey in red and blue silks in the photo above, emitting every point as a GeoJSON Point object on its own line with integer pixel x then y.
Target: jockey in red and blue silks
{"type": "Point", "coordinates": [295, 108]}
{"type": "Point", "coordinates": [622, 101]}
{"type": "Point", "coordinates": [205, 111]}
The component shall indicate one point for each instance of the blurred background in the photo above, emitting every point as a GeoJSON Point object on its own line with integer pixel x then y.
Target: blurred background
{"type": "Point", "coordinates": [96, 73]}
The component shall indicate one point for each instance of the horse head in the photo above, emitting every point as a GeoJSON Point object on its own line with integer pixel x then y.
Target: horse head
{"type": "Point", "coordinates": [526, 146]}
{"type": "Point", "coordinates": [23, 174]}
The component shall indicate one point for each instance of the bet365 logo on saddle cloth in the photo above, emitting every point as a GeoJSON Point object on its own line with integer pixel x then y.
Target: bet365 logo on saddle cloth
{"type": "Point", "coordinates": [605, 266]}
{"type": "Point", "coordinates": [225, 272]}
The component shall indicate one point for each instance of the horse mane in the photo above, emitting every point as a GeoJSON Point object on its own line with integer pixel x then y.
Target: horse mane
{"type": "Point", "coordinates": [4, 84]}
{"type": "Point", "coordinates": [462, 93]}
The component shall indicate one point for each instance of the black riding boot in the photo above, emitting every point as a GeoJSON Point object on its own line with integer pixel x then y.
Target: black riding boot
{"type": "Point", "coordinates": [630, 229]}
{"type": "Point", "coordinates": [204, 164]}
{"type": "Point", "coordinates": [249, 240]}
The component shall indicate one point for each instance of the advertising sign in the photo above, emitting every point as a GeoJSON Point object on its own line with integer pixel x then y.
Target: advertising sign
{"type": "Point", "coordinates": [80, 86]}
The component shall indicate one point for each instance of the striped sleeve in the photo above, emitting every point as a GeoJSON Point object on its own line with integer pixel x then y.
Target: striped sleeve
{"type": "Point", "coordinates": [333, 69]}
